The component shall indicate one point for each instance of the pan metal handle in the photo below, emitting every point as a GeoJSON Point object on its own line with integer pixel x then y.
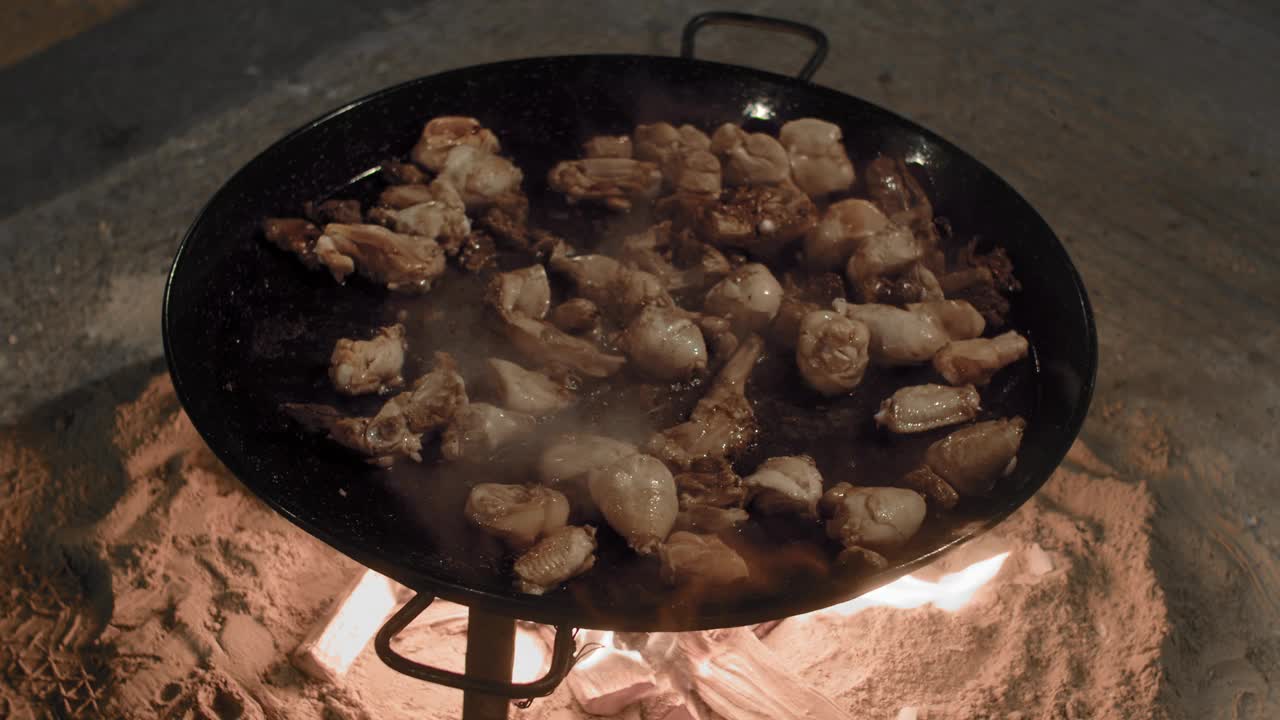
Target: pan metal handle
{"type": "Point", "coordinates": [561, 659]}
{"type": "Point", "coordinates": [740, 19]}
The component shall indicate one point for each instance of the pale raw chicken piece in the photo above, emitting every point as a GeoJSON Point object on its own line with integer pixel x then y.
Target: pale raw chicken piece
{"type": "Point", "coordinates": [898, 337]}
{"type": "Point", "coordinates": [404, 263]}
{"type": "Point", "coordinates": [357, 367]}
{"type": "Point", "coordinates": [843, 228]}
{"type": "Point", "coordinates": [607, 146]}
{"type": "Point", "coordinates": [976, 361]}
{"type": "Point", "coordinates": [434, 398]}
{"type": "Point", "coordinates": [877, 258]}
{"type": "Point", "coordinates": [481, 178]}
{"type": "Point", "coordinates": [722, 424]}
{"type": "Point", "coordinates": [399, 197]}
{"type": "Point", "coordinates": [957, 318]}
{"type": "Point", "coordinates": [748, 298]}
{"type": "Point", "coordinates": [750, 158]}
{"type": "Point", "coordinates": [519, 515]}
{"type": "Point", "coordinates": [524, 292]}
{"type": "Point", "coordinates": [873, 518]}
{"type": "Point", "coordinates": [565, 553]}
{"type": "Point", "coordinates": [619, 291]}
{"type": "Point", "coordinates": [970, 460]}
{"type": "Point", "coordinates": [700, 560]}
{"type": "Point", "coordinates": [479, 429]}
{"type": "Point", "coordinates": [695, 172]}
{"type": "Point", "coordinates": [615, 182]}
{"type": "Point", "coordinates": [925, 407]}
{"type": "Point", "coordinates": [576, 315]}
{"type": "Point", "coordinates": [831, 351]}
{"type": "Point", "coordinates": [294, 235]}
{"type": "Point", "coordinates": [762, 220]}
{"type": "Point", "coordinates": [566, 461]}
{"type": "Point", "coordinates": [664, 344]}
{"type": "Point", "coordinates": [381, 439]}
{"type": "Point", "coordinates": [526, 391]}
{"type": "Point", "coordinates": [441, 135]}
{"type": "Point", "coordinates": [709, 519]}
{"type": "Point", "coordinates": [819, 163]}
{"type": "Point", "coordinates": [441, 216]}
{"type": "Point", "coordinates": [664, 144]}
{"type": "Point", "coordinates": [637, 496]}
{"type": "Point", "coordinates": [787, 484]}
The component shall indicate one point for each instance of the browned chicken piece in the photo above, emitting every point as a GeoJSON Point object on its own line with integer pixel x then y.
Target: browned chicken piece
{"type": "Point", "coordinates": [443, 216]}
{"type": "Point", "coordinates": [892, 186]}
{"type": "Point", "coordinates": [914, 284]}
{"type": "Point", "coordinates": [607, 146]}
{"type": "Point", "coordinates": [785, 328]}
{"type": "Point", "coordinates": [663, 143]}
{"type": "Point", "coordinates": [788, 484]}
{"type": "Point", "coordinates": [481, 179]}
{"type": "Point", "coordinates": [441, 135]}
{"type": "Point", "coordinates": [700, 560]}
{"type": "Point", "coordinates": [665, 344]}
{"type": "Point", "coordinates": [565, 553]}
{"type": "Point", "coordinates": [750, 158]}
{"type": "Point", "coordinates": [683, 209]}
{"type": "Point", "coordinates": [695, 172]}
{"type": "Point", "coordinates": [925, 407]}
{"type": "Point", "coordinates": [550, 346]}
{"type": "Point", "coordinates": [957, 318]}
{"type": "Point", "coordinates": [578, 316]}
{"type": "Point", "coordinates": [614, 182]}
{"type": "Point", "coordinates": [748, 298]}
{"type": "Point", "coordinates": [519, 515]}
{"type": "Point", "coordinates": [334, 211]}
{"type": "Point", "coordinates": [400, 173]}
{"type": "Point", "coordinates": [819, 163]}
{"type": "Point", "coordinates": [708, 519]}
{"type": "Point", "coordinates": [722, 424]}
{"type": "Point", "coordinates": [720, 337]}
{"type": "Point", "coordinates": [843, 228]}
{"type": "Point", "coordinates": [679, 260]}
{"type": "Point", "coordinates": [294, 235]}
{"type": "Point", "coordinates": [872, 518]}
{"type": "Point", "coordinates": [479, 429]}
{"type": "Point", "coordinates": [880, 256]}
{"type": "Point", "coordinates": [637, 496]}
{"type": "Point", "coordinates": [619, 291]}
{"type": "Point", "coordinates": [761, 220]}
{"type": "Point", "coordinates": [508, 220]}
{"type": "Point", "coordinates": [399, 197]}
{"type": "Point", "coordinates": [714, 486]}
{"type": "Point", "coordinates": [976, 361]}
{"type": "Point", "coordinates": [898, 337]}
{"type": "Point", "coordinates": [357, 367]}
{"type": "Point", "coordinates": [924, 481]}
{"type": "Point", "coordinates": [526, 391]}
{"type": "Point", "coordinates": [381, 439]}
{"type": "Point", "coordinates": [832, 351]}
{"type": "Point", "coordinates": [404, 263]}
{"type": "Point", "coordinates": [971, 459]}
{"type": "Point", "coordinates": [434, 398]}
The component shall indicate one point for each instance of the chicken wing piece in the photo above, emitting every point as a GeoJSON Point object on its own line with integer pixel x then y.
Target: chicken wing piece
{"type": "Point", "coordinates": [615, 182]}
{"type": "Point", "coordinates": [787, 484]}
{"type": "Point", "coordinates": [750, 158]}
{"type": "Point", "coordinates": [434, 398]}
{"type": "Point", "coordinates": [819, 163]}
{"type": "Point", "coordinates": [381, 439]}
{"type": "Point", "coordinates": [761, 220]}
{"type": "Point", "coordinates": [404, 263]}
{"type": "Point", "coordinates": [519, 515]}
{"type": "Point", "coordinates": [664, 344]}
{"type": "Point", "coordinates": [607, 146]}
{"type": "Point", "coordinates": [976, 361]}
{"type": "Point", "coordinates": [565, 553]}
{"type": "Point", "coordinates": [879, 257]}
{"type": "Point", "coordinates": [832, 351]}
{"type": "Point", "coordinates": [441, 216]}
{"type": "Point", "coordinates": [700, 559]}
{"type": "Point", "coordinates": [479, 429]}
{"type": "Point", "coordinates": [973, 458]}
{"type": "Point", "coordinates": [843, 228]}
{"type": "Point", "coordinates": [748, 298]}
{"type": "Point", "coordinates": [526, 391]}
{"type": "Point", "coordinates": [878, 518]}
{"type": "Point", "coordinates": [898, 337]}
{"type": "Point", "coordinates": [357, 367]}
{"type": "Point", "coordinates": [637, 496]}
{"type": "Point", "coordinates": [925, 407]}
{"type": "Point", "coordinates": [441, 135]}
{"type": "Point", "coordinates": [722, 424]}
{"type": "Point", "coordinates": [294, 235]}
{"type": "Point", "coordinates": [480, 177]}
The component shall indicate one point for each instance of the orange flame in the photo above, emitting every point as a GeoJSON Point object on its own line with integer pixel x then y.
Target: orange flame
{"type": "Point", "coordinates": [951, 592]}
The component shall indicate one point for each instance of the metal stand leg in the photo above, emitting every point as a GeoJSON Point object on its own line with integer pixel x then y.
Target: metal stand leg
{"type": "Point", "coordinates": [491, 647]}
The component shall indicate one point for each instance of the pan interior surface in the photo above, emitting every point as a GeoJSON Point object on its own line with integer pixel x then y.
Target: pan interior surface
{"type": "Point", "coordinates": [247, 327]}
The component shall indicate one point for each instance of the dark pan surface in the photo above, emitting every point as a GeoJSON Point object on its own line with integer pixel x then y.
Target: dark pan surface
{"type": "Point", "coordinates": [246, 327]}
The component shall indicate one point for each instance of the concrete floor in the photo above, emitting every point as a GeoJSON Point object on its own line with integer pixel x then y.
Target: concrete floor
{"type": "Point", "coordinates": [1147, 133]}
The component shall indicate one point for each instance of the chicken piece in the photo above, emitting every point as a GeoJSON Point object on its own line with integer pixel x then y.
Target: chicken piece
{"type": "Point", "coordinates": [479, 429]}
{"type": "Point", "coordinates": [659, 141]}
{"type": "Point", "coordinates": [883, 254]}
{"type": "Point", "coordinates": [664, 344]}
{"type": "Point", "coordinates": [399, 197]}
{"type": "Point", "coordinates": [381, 439]}
{"type": "Point", "coordinates": [620, 292]}
{"type": "Point", "coordinates": [519, 515]}
{"type": "Point", "coordinates": [892, 186]}
{"type": "Point", "coordinates": [984, 280]}
{"type": "Point", "coordinates": [654, 251]}
{"type": "Point", "coordinates": [759, 220]}
{"type": "Point", "coordinates": [526, 391]}
{"type": "Point", "coordinates": [708, 519]}
{"type": "Point", "coordinates": [607, 146]}
{"type": "Point", "coordinates": [720, 337]}
{"type": "Point", "coordinates": [898, 337]}
{"type": "Point", "coordinates": [925, 407]}
{"type": "Point", "coordinates": [787, 484]}
{"type": "Point", "coordinates": [334, 211]}
{"type": "Point", "coordinates": [443, 216]}
{"type": "Point", "coordinates": [579, 316]}
{"type": "Point", "coordinates": [748, 298]}
{"type": "Point", "coordinates": [957, 318]}
{"type": "Point", "coordinates": [843, 228]}
{"type": "Point", "coordinates": [973, 458]}
{"type": "Point", "coordinates": [548, 345]}
{"type": "Point", "coordinates": [507, 219]}
{"type": "Point", "coordinates": [785, 328]}
{"type": "Point", "coordinates": [819, 163]}
{"type": "Point", "coordinates": [357, 367]}
{"type": "Point", "coordinates": [401, 173]}
{"type": "Point", "coordinates": [976, 361]}
{"type": "Point", "coordinates": [565, 553]}
{"type": "Point", "coordinates": [404, 263]}
{"type": "Point", "coordinates": [915, 284]}
{"type": "Point", "coordinates": [573, 455]}
{"type": "Point", "coordinates": [714, 486]}
{"type": "Point", "coordinates": [722, 424]}
{"type": "Point", "coordinates": [831, 351]}
{"type": "Point", "coordinates": [695, 172]}
{"type": "Point", "coordinates": [524, 292]}
{"type": "Point", "coordinates": [615, 182]}
{"type": "Point", "coordinates": [878, 518]}
{"type": "Point", "coordinates": [481, 179]}
{"type": "Point", "coordinates": [637, 496]}
{"type": "Point", "coordinates": [294, 235]}
{"type": "Point", "coordinates": [750, 158]}
{"type": "Point", "coordinates": [924, 481]}
{"type": "Point", "coordinates": [441, 135]}
{"type": "Point", "coordinates": [700, 560]}
{"type": "Point", "coordinates": [434, 398]}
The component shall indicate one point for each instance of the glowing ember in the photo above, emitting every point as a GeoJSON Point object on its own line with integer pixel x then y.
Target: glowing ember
{"type": "Point", "coordinates": [951, 592]}
{"type": "Point", "coordinates": [531, 659]}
